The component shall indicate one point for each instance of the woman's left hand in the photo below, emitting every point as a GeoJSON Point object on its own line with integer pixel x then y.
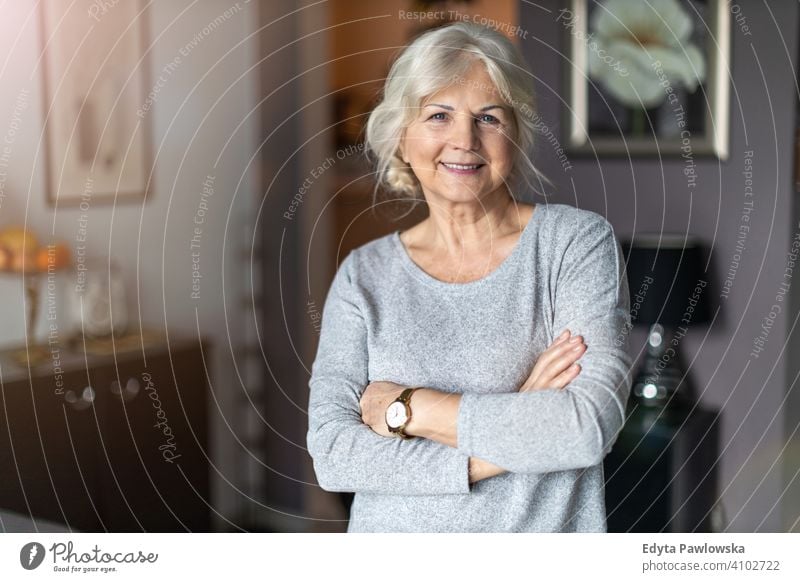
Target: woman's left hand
{"type": "Point", "coordinates": [374, 402]}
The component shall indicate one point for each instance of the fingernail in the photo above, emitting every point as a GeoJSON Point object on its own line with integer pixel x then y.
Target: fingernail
{"type": "Point", "coordinates": [577, 348]}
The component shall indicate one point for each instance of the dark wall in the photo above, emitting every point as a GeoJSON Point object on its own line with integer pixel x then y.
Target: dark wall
{"type": "Point", "coordinates": [648, 194]}
{"type": "Point", "coordinates": [284, 382]}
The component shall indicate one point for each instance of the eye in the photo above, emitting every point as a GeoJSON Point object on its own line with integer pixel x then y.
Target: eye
{"type": "Point", "coordinates": [488, 119]}
{"type": "Point", "coordinates": [440, 116]}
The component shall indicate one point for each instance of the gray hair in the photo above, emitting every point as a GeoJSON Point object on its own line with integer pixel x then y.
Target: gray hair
{"type": "Point", "coordinates": [438, 59]}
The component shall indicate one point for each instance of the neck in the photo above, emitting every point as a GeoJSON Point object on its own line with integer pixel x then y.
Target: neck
{"type": "Point", "coordinates": [455, 228]}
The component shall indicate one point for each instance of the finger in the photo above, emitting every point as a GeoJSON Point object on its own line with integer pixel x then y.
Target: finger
{"type": "Point", "coordinates": [532, 379]}
{"type": "Point", "coordinates": [551, 354]}
{"type": "Point", "coordinates": [559, 350]}
{"type": "Point", "coordinates": [569, 357]}
{"type": "Point", "coordinates": [556, 366]}
{"type": "Point", "coordinates": [564, 344]}
{"type": "Point", "coordinates": [566, 376]}
{"type": "Point", "coordinates": [575, 339]}
{"type": "Point", "coordinates": [558, 381]}
{"type": "Point", "coordinates": [576, 348]}
{"type": "Point", "coordinates": [561, 337]}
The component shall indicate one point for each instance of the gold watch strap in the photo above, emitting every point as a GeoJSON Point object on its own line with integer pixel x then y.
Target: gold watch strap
{"type": "Point", "coordinates": [405, 395]}
{"type": "Point", "coordinates": [405, 398]}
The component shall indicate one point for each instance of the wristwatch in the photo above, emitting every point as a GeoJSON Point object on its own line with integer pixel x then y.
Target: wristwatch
{"type": "Point", "coordinates": [398, 413]}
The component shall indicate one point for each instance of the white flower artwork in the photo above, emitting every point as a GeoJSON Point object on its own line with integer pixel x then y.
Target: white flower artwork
{"type": "Point", "coordinates": [636, 36]}
{"type": "Point", "coordinates": [644, 77]}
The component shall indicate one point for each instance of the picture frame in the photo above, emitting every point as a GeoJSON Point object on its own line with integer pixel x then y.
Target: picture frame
{"type": "Point", "coordinates": [656, 97]}
{"type": "Point", "coordinates": [95, 76]}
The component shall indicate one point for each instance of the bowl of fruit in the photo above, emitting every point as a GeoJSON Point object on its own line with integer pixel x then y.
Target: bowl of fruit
{"type": "Point", "coordinates": [20, 252]}
{"type": "Point", "coordinates": [22, 255]}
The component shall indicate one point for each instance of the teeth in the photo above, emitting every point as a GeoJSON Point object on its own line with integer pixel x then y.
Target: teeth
{"type": "Point", "coordinates": [462, 166]}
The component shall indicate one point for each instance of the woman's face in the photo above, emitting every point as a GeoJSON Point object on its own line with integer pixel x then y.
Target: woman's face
{"type": "Point", "coordinates": [461, 146]}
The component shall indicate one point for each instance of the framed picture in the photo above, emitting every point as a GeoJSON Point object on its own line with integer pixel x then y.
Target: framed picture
{"type": "Point", "coordinates": [94, 80]}
{"type": "Point", "coordinates": [647, 78]}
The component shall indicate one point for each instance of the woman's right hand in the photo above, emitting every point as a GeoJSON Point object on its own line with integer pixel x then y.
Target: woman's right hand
{"type": "Point", "coordinates": [556, 366]}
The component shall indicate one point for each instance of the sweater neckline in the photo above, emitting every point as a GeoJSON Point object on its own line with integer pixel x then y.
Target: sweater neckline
{"type": "Point", "coordinates": [507, 263]}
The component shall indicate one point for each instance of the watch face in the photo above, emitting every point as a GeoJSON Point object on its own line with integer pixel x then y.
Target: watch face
{"type": "Point", "coordinates": [396, 414]}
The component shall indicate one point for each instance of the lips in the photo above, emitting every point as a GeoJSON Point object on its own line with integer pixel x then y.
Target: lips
{"type": "Point", "coordinates": [463, 170]}
{"type": "Point", "coordinates": [461, 166]}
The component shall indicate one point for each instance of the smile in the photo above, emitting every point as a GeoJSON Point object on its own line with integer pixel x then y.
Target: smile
{"type": "Point", "coordinates": [462, 168]}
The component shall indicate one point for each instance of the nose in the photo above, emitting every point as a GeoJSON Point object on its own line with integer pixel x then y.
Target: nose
{"type": "Point", "coordinates": [464, 133]}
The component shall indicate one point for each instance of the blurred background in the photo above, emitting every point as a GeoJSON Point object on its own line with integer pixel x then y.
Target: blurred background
{"type": "Point", "coordinates": [180, 179]}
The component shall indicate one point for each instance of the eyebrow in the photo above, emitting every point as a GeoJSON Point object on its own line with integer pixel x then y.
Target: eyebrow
{"type": "Point", "coordinates": [449, 108]}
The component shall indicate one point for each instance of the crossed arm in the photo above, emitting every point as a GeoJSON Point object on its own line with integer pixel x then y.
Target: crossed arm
{"type": "Point", "coordinates": [435, 413]}
{"type": "Point", "coordinates": [530, 431]}
{"type": "Point", "coordinates": [437, 419]}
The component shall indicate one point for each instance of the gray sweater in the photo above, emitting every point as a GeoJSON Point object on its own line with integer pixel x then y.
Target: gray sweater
{"type": "Point", "coordinates": [386, 319]}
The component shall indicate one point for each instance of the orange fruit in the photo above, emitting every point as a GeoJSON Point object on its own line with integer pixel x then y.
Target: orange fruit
{"type": "Point", "coordinates": [62, 255]}
{"type": "Point", "coordinates": [26, 261]}
{"type": "Point", "coordinates": [55, 256]}
{"type": "Point", "coordinates": [42, 259]}
{"type": "Point", "coordinates": [15, 238]}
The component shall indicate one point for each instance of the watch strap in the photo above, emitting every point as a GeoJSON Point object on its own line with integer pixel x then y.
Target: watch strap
{"type": "Point", "coordinates": [405, 398]}
{"type": "Point", "coordinates": [405, 395]}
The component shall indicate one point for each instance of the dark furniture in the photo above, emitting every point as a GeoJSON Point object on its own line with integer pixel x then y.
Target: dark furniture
{"type": "Point", "coordinates": [104, 443]}
{"type": "Point", "coordinates": [661, 475]}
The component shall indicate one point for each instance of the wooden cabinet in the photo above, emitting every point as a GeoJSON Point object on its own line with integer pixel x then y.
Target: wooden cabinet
{"type": "Point", "coordinates": [108, 444]}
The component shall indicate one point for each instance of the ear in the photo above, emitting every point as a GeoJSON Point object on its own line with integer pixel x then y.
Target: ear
{"type": "Point", "coordinates": [401, 148]}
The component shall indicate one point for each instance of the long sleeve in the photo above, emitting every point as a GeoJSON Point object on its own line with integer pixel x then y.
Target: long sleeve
{"type": "Point", "coordinates": [347, 454]}
{"type": "Point", "coordinates": [575, 427]}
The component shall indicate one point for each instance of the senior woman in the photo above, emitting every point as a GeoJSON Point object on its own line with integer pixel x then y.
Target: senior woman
{"type": "Point", "coordinates": [446, 392]}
